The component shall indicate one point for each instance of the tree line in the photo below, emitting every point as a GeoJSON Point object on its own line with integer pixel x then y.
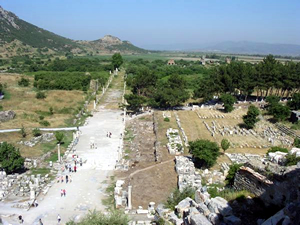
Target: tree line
{"type": "Point", "coordinates": [67, 80]}
{"type": "Point", "coordinates": [269, 77]}
{"type": "Point", "coordinates": [160, 85]}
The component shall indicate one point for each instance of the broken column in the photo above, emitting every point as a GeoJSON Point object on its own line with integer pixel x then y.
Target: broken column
{"type": "Point", "coordinates": [129, 197]}
{"type": "Point", "coordinates": [58, 152]}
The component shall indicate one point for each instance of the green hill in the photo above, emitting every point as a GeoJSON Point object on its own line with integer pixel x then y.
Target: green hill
{"type": "Point", "coordinates": [12, 28]}
{"type": "Point", "coordinates": [18, 37]}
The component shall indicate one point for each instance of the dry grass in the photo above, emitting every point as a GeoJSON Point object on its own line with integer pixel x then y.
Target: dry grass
{"type": "Point", "coordinates": [195, 129]}
{"type": "Point", "coordinates": [36, 151]}
{"type": "Point", "coordinates": [153, 185]}
{"type": "Point", "coordinates": [23, 101]}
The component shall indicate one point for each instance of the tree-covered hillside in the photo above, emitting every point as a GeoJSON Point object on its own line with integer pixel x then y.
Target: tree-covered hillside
{"type": "Point", "coordinates": [12, 28]}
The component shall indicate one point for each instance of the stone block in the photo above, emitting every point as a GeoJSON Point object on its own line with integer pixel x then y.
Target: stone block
{"type": "Point", "coordinates": [203, 209]}
{"type": "Point", "coordinates": [201, 196]}
{"type": "Point", "coordinates": [199, 219]}
{"type": "Point", "coordinates": [174, 219]}
{"type": "Point", "coordinates": [232, 220]}
{"type": "Point", "coordinates": [214, 218]}
{"type": "Point", "coordinates": [184, 205]}
{"type": "Point", "coordinates": [220, 205]}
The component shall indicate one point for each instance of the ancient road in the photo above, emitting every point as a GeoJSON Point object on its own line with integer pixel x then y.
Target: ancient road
{"type": "Point", "coordinates": [88, 185]}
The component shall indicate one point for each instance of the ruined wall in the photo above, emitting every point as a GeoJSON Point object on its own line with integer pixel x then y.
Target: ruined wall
{"type": "Point", "coordinates": [281, 190]}
{"type": "Point", "coordinates": [247, 179]}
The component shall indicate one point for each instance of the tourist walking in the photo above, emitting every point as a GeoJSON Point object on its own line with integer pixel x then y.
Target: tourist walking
{"type": "Point", "coordinates": [70, 168]}
{"type": "Point", "coordinates": [75, 169]}
{"type": "Point", "coordinates": [67, 179]}
{"type": "Point", "coordinates": [61, 192]}
{"type": "Point", "coordinates": [62, 178]}
{"type": "Point", "coordinates": [64, 192]}
{"type": "Point", "coordinates": [70, 178]}
{"type": "Point", "coordinates": [58, 219]}
{"type": "Point", "coordinates": [21, 219]}
{"type": "Point", "coordinates": [40, 221]}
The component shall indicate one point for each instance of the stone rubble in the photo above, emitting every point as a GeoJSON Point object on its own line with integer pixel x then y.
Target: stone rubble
{"type": "Point", "coordinates": [46, 137]}
{"type": "Point", "coordinates": [175, 144]}
{"type": "Point", "coordinates": [187, 176]}
{"type": "Point", "coordinates": [204, 210]}
{"type": "Point", "coordinates": [7, 115]}
{"type": "Point", "coordinates": [185, 139]}
{"type": "Point", "coordinates": [242, 158]}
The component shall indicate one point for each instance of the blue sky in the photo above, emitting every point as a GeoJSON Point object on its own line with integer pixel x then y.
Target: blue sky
{"type": "Point", "coordinates": [163, 22]}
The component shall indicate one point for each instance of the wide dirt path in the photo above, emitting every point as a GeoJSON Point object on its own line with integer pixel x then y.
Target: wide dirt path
{"type": "Point", "coordinates": [88, 185]}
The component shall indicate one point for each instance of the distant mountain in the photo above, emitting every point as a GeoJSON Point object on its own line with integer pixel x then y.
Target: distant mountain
{"type": "Point", "coordinates": [241, 47]}
{"type": "Point", "coordinates": [18, 37]}
{"type": "Point", "coordinates": [111, 44]}
{"type": "Point", "coordinates": [246, 47]}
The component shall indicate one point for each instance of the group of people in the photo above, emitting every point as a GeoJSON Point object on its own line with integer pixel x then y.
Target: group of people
{"type": "Point", "coordinates": [63, 192]}
{"type": "Point", "coordinates": [61, 178]}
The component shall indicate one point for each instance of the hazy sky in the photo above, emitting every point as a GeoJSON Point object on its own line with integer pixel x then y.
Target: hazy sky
{"type": "Point", "coordinates": [146, 23]}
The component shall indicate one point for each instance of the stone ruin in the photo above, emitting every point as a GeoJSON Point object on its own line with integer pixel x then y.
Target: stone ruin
{"type": "Point", "coordinates": [27, 187]}
{"type": "Point", "coordinates": [275, 136]}
{"type": "Point", "coordinates": [215, 176]}
{"type": "Point", "coordinates": [274, 184]}
{"type": "Point", "coordinates": [120, 195]}
{"type": "Point", "coordinates": [187, 176]}
{"type": "Point", "coordinates": [175, 144]}
{"type": "Point", "coordinates": [204, 210]}
{"type": "Point", "coordinates": [46, 137]}
{"type": "Point", "coordinates": [166, 115]}
{"type": "Point", "coordinates": [242, 158]}
{"type": "Point", "coordinates": [7, 115]}
{"type": "Point", "coordinates": [123, 200]}
{"type": "Point", "coordinates": [185, 139]}
{"type": "Point", "coordinates": [218, 129]}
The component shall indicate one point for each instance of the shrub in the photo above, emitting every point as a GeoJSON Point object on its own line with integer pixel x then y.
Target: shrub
{"type": "Point", "coordinates": [41, 117]}
{"type": "Point", "coordinates": [278, 149]}
{"type": "Point", "coordinates": [23, 82]}
{"type": "Point", "coordinates": [51, 111]}
{"type": "Point", "coordinates": [225, 144]}
{"type": "Point", "coordinates": [231, 173]}
{"type": "Point", "coordinates": [59, 137]}
{"type": "Point", "coordinates": [166, 119]}
{"type": "Point", "coordinates": [36, 132]}
{"type": "Point", "coordinates": [297, 142]}
{"type": "Point", "coordinates": [23, 132]}
{"type": "Point", "coordinates": [292, 160]}
{"type": "Point", "coordinates": [45, 123]}
{"type": "Point", "coordinates": [115, 217]}
{"type": "Point", "coordinates": [178, 196]}
{"type": "Point", "coordinates": [204, 152]}
{"type": "Point", "coordinates": [296, 126]}
{"type": "Point", "coordinates": [40, 95]}
{"type": "Point", "coordinates": [1, 108]}
{"type": "Point", "coordinates": [10, 158]}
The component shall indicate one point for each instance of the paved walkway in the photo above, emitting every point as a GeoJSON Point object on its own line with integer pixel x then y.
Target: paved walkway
{"type": "Point", "coordinates": [88, 185]}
